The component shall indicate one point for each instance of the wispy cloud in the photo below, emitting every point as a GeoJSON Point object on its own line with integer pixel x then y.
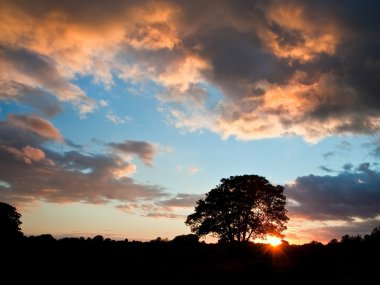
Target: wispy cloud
{"type": "Point", "coordinates": [118, 120]}
{"type": "Point", "coordinates": [182, 200]}
{"type": "Point", "coordinates": [329, 154]}
{"type": "Point", "coordinates": [326, 169]}
{"type": "Point", "coordinates": [191, 169]}
{"type": "Point", "coordinates": [103, 103]}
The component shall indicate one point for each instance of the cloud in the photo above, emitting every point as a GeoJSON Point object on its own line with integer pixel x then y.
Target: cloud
{"type": "Point", "coordinates": [103, 103]}
{"type": "Point", "coordinates": [71, 176]}
{"type": "Point", "coordinates": [117, 120]}
{"type": "Point", "coordinates": [46, 46]}
{"type": "Point", "coordinates": [36, 125]}
{"type": "Point", "coordinates": [192, 169]}
{"type": "Point", "coordinates": [27, 154]}
{"type": "Point", "coordinates": [182, 200]}
{"type": "Point", "coordinates": [165, 215]}
{"type": "Point", "coordinates": [329, 154]}
{"type": "Point", "coordinates": [325, 168]}
{"type": "Point", "coordinates": [350, 194]}
{"type": "Point", "coordinates": [33, 96]}
{"type": "Point", "coordinates": [297, 68]}
{"type": "Point", "coordinates": [344, 146]}
{"type": "Point", "coordinates": [26, 71]}
{"type": "Point", "coordinates": [303, 231]}
{"type": "Point", "coordinates": [177, 207]}
{"type": "Point", "coordinates": [144, 150]}
{"type": "Point", "coordinates": [287, 68]}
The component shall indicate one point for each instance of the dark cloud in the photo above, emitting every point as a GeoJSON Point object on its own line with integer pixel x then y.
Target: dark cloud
{"type": "Point", "coordinates": [70, 143]}
{"type": "Point", "coordinates": [35, 97]}
{"type": "Point", "coordinates": [30, 172]}
{"type": "Point", "coordinates": [144, 150]}
{"type": "Point", "coordinates": [348, 167]}
{"type": "Point", "coordinates": [350, 194]}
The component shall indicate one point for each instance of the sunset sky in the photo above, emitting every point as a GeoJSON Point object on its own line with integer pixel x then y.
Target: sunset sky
{"type": "Point", "coordinates": [117, 116]}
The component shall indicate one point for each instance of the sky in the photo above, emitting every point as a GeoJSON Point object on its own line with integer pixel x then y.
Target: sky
{"type": "Point", "coordinates": [117, 116]}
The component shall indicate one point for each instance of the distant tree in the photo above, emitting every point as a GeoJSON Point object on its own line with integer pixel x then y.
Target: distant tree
{"type": "Point", "coordinates": [284, 243]}
{"type": "Point", "coordinates": [239, 209]}
{"type": "Point", "coordinates": [374, 236]}
{"type": "Point", "coordinates": [190, 239]}
{"type": "Point", "coordinates": [44, 238]}
{"type": "Point", "coordinates": [351, 240]}
{"type": "Point", "coordinates": [160, 240]}
{"type": "Point", "coordinates": [9, 222]}
{"type": "Point", "coordinates": [98, 238]}
{"type": "Point", "coordinates": [333, 242]}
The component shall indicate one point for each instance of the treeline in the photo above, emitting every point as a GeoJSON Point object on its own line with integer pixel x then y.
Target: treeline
{"type": "Point", "coordinates": [186, 240]}
{"type": "Point", "coordinates": [184, 259]}
{"type": "Point", "coordinates": [351, 259]}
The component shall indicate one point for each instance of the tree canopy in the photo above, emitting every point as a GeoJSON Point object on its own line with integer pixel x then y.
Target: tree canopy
{"type": "Point", "coordinates": [9, 222]}
{"type": "Point", "coordinates": [240, 208]}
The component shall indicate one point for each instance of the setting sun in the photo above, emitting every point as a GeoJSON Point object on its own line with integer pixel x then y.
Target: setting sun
{"type": "Point", "coordinates": [273, 241]}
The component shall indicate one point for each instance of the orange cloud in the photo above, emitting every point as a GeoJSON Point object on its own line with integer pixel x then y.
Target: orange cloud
{"type": "Point", "coordinates": [34, 154]}
{"type": "Point", "coordinates": [123, 171]}
{"type": "Point", "coordinates": [184, 72]}
{"type": "Point", "coordinates": [314, 37]}
{"type": "Point", "coordinates": [28, 154]}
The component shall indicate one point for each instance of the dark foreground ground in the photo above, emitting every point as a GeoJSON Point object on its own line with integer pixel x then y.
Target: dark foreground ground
{"type": "Point", "coordinates": [73, 261]}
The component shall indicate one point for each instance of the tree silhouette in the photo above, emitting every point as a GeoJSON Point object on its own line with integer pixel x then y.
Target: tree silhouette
{"type": "Point", "coordinates": [189, 239]}
{"type": "Point", "coordinates": [9, 223]}
{"type": "Point", "coordinates": [239, 209]}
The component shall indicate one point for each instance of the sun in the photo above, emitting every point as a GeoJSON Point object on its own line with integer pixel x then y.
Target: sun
{"type": "Point", "coordinates": [273, 241]}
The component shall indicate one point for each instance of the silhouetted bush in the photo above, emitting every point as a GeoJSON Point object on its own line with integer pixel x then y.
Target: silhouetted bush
{"type": "Point", "coordinates": [98, 238]}
{"type": "Point", "coordinates": [186, 240]}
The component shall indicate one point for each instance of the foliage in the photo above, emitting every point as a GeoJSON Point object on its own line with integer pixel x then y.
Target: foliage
{"type": "Point", "coordinates": [240, 208]}
{"type": "Point", "coordinates": [9, 222]}
{"type": "Point", "coordinates": [189, 239]}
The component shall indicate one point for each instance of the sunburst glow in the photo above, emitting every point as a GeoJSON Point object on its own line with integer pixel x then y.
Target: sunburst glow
{"type": "Point", "coordinates": [273, 241]}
